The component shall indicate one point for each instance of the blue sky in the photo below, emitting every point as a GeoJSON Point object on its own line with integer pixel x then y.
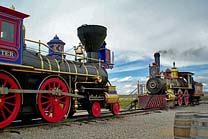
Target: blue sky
{"type": "Point", "coordinates": [136, 30]}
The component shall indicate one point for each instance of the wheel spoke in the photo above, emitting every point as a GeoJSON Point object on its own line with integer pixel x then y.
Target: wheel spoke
{"type": "Point", "coordinates": [5, 82]}
{"type": "Point", "coordinates": [60, 98]}
{"type": "Point", "coordinates": [9, 97]}
{"type": "Point", "coordinates": [47, 97]}
{"type": "Point", "coordinates": [59, 85]}
{"type": "Point", "coordinates": [46, 102]}
{"type": "Point", "coordinates": [7, 109]}
{"type": "Point", "coordinates": [51, 110]}
{"type": "Point", "coordinates": [54, 84]}
{"type": "Point", "coordinates": [9, 103]}
{"type": "Point", "coordinates": [2, 113]}
{"type": "Point", "coordinates": [62, 102]}
{"type": "Point", "coordinates": [48, 106]}
{"type": "Point", "coordinates": [49, 87]}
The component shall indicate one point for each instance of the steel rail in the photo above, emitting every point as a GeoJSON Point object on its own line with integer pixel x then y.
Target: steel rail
{"type": "Point", "coordinates": [78, 118]}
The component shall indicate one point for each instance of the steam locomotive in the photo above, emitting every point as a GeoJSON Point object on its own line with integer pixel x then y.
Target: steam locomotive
{"type": "Point", "coordinates": [179, 87]}
{"type": "Point", "coordinates": [51, 86]}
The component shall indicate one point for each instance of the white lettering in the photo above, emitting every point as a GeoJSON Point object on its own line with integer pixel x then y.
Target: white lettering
{"type": "Point", "coordinates": [7, 53]}
{"type": "Point", "coordinates": [2, 34]}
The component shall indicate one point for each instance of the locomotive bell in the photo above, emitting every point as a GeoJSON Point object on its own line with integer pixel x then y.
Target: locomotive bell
{"type": "Point", "coordinates": [174, 71]}
{"type": "Point", "coordinates": [92, 37]}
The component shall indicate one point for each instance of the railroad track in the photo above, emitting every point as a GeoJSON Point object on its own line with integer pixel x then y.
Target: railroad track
{"type": "Point", "coordinates": [80, 118]}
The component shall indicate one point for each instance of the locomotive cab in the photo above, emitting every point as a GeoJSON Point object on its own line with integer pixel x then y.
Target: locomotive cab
{"type": "Point", "coordinates": [11, 35]}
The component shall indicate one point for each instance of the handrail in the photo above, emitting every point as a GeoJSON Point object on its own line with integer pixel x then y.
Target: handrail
{"type": "Point", "coordinates": [133, 91]}
{"type": "Point", "coordinates": [39, 43]}
{"type": "Point", "coordinates": [62, 53]}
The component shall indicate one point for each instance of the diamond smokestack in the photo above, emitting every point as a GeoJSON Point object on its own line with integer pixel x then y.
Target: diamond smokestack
{"type": "Point", "coordinates": [157, 59]}
{"type": "Point", "coordinates": [92, 37]}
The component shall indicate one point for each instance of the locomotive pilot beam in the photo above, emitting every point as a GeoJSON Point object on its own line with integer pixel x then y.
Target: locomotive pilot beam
{"type": "Point", "coordinates": [51, 86]}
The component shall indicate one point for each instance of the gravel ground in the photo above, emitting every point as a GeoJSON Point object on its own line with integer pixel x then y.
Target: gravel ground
{"type": "Point", "coordinates": [152, 125]}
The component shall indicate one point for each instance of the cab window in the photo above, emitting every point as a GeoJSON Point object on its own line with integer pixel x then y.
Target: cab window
{"type": "Point", "coordinates": [7, 31]}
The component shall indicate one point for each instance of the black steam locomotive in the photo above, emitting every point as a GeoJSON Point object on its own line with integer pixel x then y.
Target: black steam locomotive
{"type": "Point", "coordinates": [179, 87]}
{"type": "Point", "coordinates": [50, 86]}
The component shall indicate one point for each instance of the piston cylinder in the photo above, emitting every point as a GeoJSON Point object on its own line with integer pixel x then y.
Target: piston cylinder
{"type": "Point", "coordinates": [111, 98]}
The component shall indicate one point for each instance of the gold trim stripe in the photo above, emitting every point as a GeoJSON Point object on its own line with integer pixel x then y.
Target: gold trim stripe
{"type": "Point", "coordinates": [97, 72]}
{"type": "Point", "coordinates": [49, 63]}
{"type": "Point", "coordinates": [75, 67]}
{"type": "Point", "coordinates": [51, 71]}
{"type": "Point", "coordinates": [16, 65]}
{"type": "Point", "coordinates": [41, 61]}
{"type": "Point", "coordinates": [86, 71]}
{"type": "Point", "coordinates": [67, 65]}
{"type": "Point", "coordinates": [58, 66]}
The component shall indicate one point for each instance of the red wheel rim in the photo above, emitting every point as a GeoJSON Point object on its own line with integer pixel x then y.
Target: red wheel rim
{"type": "Point", "coordinates": [9, 103]}
{"type": "Point", "coordinates": [53, 108]}
{"type": "Point", "coordinates": [96, 109]}
{"type": "Point", "coordinates": [115, 108]}
{"type": "Point", "coordinates": [186, 97]}
{"type": "Point", "coordinates": [180, 100]}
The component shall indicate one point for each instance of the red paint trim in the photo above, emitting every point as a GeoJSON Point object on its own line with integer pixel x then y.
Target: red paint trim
{"type": "Point", "coordinates": [13, 12]}
{"type": "Point", "coordinates": [16, 24]}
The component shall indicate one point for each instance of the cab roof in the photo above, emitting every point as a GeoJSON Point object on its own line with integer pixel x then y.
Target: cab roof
{"type": "Point", "coordinates": [13, 12]}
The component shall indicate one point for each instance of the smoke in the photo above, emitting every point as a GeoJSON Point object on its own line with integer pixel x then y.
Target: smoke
{"type": "Point", "coordinates": [168, 52]}
{"type": "Point", "coordinates": [193, 55]}
{"type": "Point", "coordinates": [196, 52]}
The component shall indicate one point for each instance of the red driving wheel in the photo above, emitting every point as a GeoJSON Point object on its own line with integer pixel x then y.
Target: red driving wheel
{"type": "Point", "coordinates": [115, 108]}
{"type": "Point", "coordinates": [95, 109]}
{"type": "Point", "coordinates": [180, 100]}
{"type": "Point", "coordinates": [186, 97]}
{"type": "Point", "coordinates": [9, 103]}
{"type": "Point", "coordinates": [53, 108]}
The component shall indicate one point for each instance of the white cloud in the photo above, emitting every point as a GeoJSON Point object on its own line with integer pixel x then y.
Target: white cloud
{"type": "Point", "coordinates": [126, 85]}
{"type": "Point", "coordinates": [127, 68]}
{"type": "Point", "coordinates": [119, 80]}
{"type": "Point", "coordinates": [114, 79]}
{"type": "Point", "coordinates": [126, 79]}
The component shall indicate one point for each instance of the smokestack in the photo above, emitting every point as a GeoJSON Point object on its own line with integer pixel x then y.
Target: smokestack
{"type": "Point", "coordinates": [92, 37]}
{"type": "Point", "coordinates": [157, 59]}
